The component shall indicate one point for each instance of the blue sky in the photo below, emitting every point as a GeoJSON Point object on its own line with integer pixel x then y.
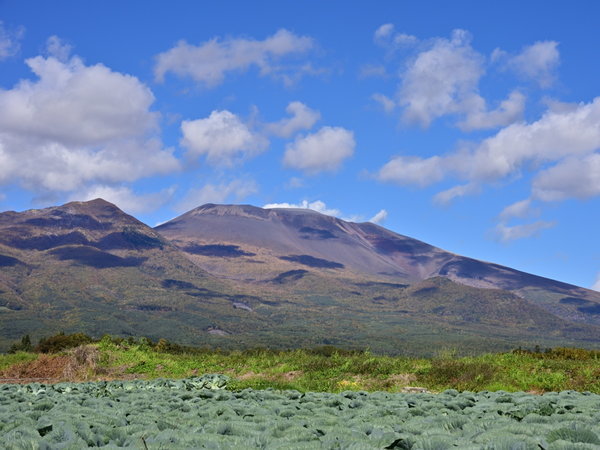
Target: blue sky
{"type": "Point", "coordinates": [474, 126]}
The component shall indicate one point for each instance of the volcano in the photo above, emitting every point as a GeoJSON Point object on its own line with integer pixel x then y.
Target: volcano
{"type": "Point", "coordinates": [239, 276]}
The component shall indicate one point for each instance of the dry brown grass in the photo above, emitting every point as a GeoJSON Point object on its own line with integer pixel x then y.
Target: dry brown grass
{"type": "Point", "coordinates": [80, 364]}
{"type": "Point", "coordinates": [45, 368]}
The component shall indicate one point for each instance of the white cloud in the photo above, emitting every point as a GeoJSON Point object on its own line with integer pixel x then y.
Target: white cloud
{"type": "Point", "coordinates": [56, 47]}
{"type": "Point", "coordinates": [78, 104]}
{"type": "Point", "coordinates": [441, 80]}
{"type": "Point", "coordinates": [386, 36]}
{"type": "Point", "coordinates": [322, 208]}
{"type": "Point", "coordinates": [571, 178]}
{"type": "Point", "coordinates": [236, 190]}
{"type": "Point", "coordinates": [324, 150]}
{"type": "Point", "coordinates": [405, 170]}
{"type": "Point", "coordinates": [521, 209]}
{"type": "Point", "coordinates": [385, 102]}
{"type": "Point", "coordinates": [209, 62]}
{"type": "Point", "coordinates": [384, 32]}
{"type": "Point", "coordinates": [447, 196]}
{"type": "Point", "coordinates": [77, 125]}
{"type": "Point", "coordinates": [9, 41]}
{"type": "Point", "coordinates": [537, 62]}
{"type": "Point", "coordinates": [571, 133]}
{"type": "Point", "coordinates": [554, 136]}
{"type": "Point", "coordinates": [596, 285]}
{"type": "Point", "coordinates": [222, 137]}
{"type": "Point", "coordinates": [302, 118]}
{"type": "Point", "coordinates": [126, 199]}
{"type": "Point", "coordinates": [510, 233]}
{"type": "Point", "coordinates": [558, 106]}
{"type": "Point", "coordinates": [379, 217]}
{"type": "Point", "coordinates": [509, 111]}
{"type": "Point", "coordinates": [317, 205]}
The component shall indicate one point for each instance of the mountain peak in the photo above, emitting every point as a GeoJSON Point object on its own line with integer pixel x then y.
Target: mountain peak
{"type": "Point", "coordinates": [97, 202]}
{"type": "Point", "coordinates": [228, 210]}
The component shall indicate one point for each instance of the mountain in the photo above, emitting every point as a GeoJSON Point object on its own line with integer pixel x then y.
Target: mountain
{"type": "Point", "coordinates": [255, 244]}
{"type": "Point", "coordinates": [88, 266]}
{"type": "Point", "coordinates": [239, 276]}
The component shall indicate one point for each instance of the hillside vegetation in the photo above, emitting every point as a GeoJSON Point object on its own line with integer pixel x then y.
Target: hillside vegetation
{"type": "Point", "coordinates": [323, 369]}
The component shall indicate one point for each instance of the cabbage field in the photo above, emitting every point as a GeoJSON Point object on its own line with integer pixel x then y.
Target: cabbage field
{"type": "Point", "coordinates": [199, 413]}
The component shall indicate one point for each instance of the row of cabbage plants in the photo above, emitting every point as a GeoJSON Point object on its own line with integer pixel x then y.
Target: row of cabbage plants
{"type": "Point", "coordinates": [199, 413]}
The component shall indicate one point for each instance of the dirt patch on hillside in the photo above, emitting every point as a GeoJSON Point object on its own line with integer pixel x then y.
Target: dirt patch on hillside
{"type": "Point", "coordinates": [250, 375]}
{"type": "Point", "coordinates": [290, 376]}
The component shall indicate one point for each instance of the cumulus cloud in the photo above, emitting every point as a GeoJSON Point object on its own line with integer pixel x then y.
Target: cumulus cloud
{"type": "Point", "coordinates": [479, 117]}
{"type": "Point", "coordinates": [77, 124]}
{"type": "Point", "coordinates": [447, 196]}
{"type": "Point", "coordinates": [56, 47]}
{"type": "Point", "coordinates": [570, 134]}
{"type": "Point", "coordinates": [379, 217]}
{"type": "Point", "coordinates": [507, 233]}
{"type": "Point", "coordinates": [387, 36]}
{"type": "Point", "coordinates": [324, 150]}
{"type": "Point", "coordinates": [9, 41]}
{"type": "Point", "coordinates": [222, 137]}
{"type": "Point", "coordinates": [537, 62]}
{"type": "Point", "coordinates": [571, 178]}
{"type": "Point", "coordinates": [407, 170]}
{"type": "Point", "coordinates": [520, 209]}
{"type": "Point", "coordinates": [302, 118]}
{"type": "Point", "coordinates": [126, 199]}
{"type": "Point", "coordinates": [554, 136]}
{"type": "Point", "coordinates": [209, 62]}
{"type": "Point", "coordinates": [236, 190]}
{"type": "Point", "coordinates": [384, 101]}
{"type": "Point", "coordinates": [441, 80]}
{"type": "Point", "coordinates": [383, 32]}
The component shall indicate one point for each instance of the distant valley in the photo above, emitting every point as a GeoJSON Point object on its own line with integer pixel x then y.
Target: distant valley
{"type": "Point", "coordinates": [236, 276]}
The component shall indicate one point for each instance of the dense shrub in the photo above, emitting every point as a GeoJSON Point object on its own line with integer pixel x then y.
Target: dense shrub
{"type": "Point", "coordinates": [578, 354]}
{"type": "Point", "coordinates": [463, 374]}
{"type": "Point", "coordinates": [23, 346]}
{"type": "Point", "coordinates": [61, 341]}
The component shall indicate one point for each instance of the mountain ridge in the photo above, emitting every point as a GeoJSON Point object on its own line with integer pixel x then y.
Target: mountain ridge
{"type": "Point", "coordinates": [450, 265]}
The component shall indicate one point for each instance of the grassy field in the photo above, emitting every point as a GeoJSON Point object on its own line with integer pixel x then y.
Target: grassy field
{"type": "Point", "coordinates": [320, 370]}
